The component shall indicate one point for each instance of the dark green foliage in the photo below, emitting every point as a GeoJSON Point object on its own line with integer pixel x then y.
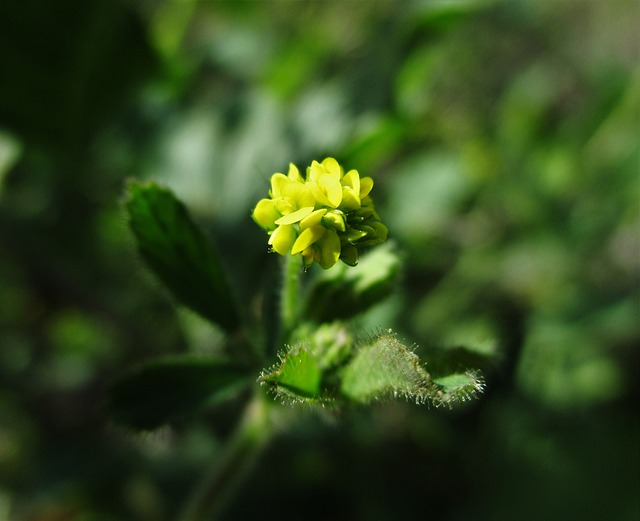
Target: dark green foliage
{"type": "Point", "coordinates": [344, 292]}
{"type": "Point", "coordinates": [179, 254]}
{"type": "Point", "coordinates": [161, 391]}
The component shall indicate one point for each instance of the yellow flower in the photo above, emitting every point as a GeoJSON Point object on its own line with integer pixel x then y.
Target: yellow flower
{"type": "Point", "coordinates": [324, 216]}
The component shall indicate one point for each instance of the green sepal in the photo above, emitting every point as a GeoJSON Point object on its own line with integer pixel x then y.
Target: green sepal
{"type": "Point", "coordinates": [179, 254]}
{"type": "Point", "coordinates": [385, 368]}
{"type": "Point", "coordinates": [343, 291]}
{"type": "Point", "coordinates": [161, 391]}
{"type": "Point", "coordinates": [297, 376]}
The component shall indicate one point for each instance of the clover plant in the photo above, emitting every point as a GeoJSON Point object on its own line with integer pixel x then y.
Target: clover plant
{"type": "Point", "coordinates": [317, 359]}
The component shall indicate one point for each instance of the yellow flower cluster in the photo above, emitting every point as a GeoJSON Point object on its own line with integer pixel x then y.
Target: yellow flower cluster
{"type": "Point", "coordinates": [324, 216]}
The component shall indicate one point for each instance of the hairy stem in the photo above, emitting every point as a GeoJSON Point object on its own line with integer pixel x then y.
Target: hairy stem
{"type": "Point", "coordinates": [290, 295]}
{"type": "Point", "coordinates": [236, 460]}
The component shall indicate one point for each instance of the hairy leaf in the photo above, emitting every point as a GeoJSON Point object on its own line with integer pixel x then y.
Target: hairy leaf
{"type": "Point", "coordinates": [329, 344]}
{"type": "Point", "coordinates": [298, 375]}
{"type": "Point", "coordinates": [160, 391]}
{"type": "Point", "coordinates": [385, 368]}
{"type": "Point", "coordinates": [179, 254]}
{"type": "Point", "coordinates": [457, 387]}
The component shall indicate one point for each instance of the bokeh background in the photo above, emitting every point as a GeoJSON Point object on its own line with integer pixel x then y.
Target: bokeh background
{"type": "Point", "coordinates": [504, 141]}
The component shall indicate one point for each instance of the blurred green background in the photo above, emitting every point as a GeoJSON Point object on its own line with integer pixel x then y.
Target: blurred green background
{"type": "Point", "coordinates": [504, 141]}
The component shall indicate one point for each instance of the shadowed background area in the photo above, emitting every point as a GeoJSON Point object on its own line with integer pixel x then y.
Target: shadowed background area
{"type": "Point", "coordinates": [503, 140]}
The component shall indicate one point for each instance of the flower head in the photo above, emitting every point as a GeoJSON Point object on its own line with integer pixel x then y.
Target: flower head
{"type": "Point", "coordinates": [325, 216]}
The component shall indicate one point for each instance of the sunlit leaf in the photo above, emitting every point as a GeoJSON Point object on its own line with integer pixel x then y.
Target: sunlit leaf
{"type": "Point", "coordinates": [298, 375]}
{"type": "Point", "coordinates": [384, 368]}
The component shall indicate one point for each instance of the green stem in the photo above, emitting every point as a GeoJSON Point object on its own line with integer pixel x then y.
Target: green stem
{"type": "Point", "coordinates": [256, 427]}
{"type": "Point", "coordinates": [238, 457]}
{"type": "Point", "coordinates": [290, 295]}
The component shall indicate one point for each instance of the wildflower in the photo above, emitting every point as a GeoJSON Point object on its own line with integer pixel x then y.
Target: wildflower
{"type": "Point", "coordinates": [325, 216]}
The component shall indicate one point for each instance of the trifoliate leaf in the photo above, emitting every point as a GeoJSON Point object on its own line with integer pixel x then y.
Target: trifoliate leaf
{"type": "Point", "coordinates": [179, 254]}
{"type": "Point", "coordinates": [343, 291]}
{"type": "Point", "coordinates": [298, 375]}
{"type": "Point", "coordinates": [160, 391]}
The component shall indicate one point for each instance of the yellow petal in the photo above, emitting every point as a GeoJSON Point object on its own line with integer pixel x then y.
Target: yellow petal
{"type": "Point", "coordinates": [332, 188]}
{"type": "Point", "coordinates": [294, 174]}
{"type": "Point", "coordinates": [350, 199]}
{"type": "Point", "coordinates": [282, 239]}
{"type": "Point", "coordinates": [319, 194]}
{"type": "Point", "coordinates": [315, 171]}
{"type": "Point", "coordinates": [352, 179]}
{"type": "Point", "coordinates": [307, 238]}
{"type": "Point", "coordinates": [296, 216]}
{"type": "Point", "coordinates": [265, 214]}
{"type": "Point", "coordinates": [300, 195]}
{"type": "Point", "coordinates": [366, 184]}
{"type": "Point", "coordinates": [313, 219]}
{"type": "Point", "coordinates": [284, 205]}
{"type": "Point", "coordinates": [332, 167]}
{"type": "Point", "coordinates": [329, 246]}
{"type": "Point", "coordinates": [278, 184]}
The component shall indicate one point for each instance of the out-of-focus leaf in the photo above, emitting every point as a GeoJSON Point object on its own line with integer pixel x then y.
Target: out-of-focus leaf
{"type": "Point", "coordinates": [459, 359]}
{"type": "Point", "coordinates": [160, 391]}
{"type": "Point", "coordinates": [375, 141]}
{"type": "Point", "coordinates": [179, 254]}
{"type": "Point", "coordinates": [428, 190]}
{"type": "Point", "coordinates": [298, 376]}
{"type": "Point", "coordinates": [343, 291]}
{"type": "Point", "coordinates": [10, 151]}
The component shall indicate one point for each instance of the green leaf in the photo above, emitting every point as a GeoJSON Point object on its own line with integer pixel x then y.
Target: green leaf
{"type": "Point", "coordinates": [344, 291]}
{"type": "Point", "coordinates": [179, 254]}
{"type": "Point", "coordinates": [457, 387]}
{"type": "Point", "coordinates": [329, 344]}
{"type": "Point", "coordinates": [297, 376]}
{"type": "Point", "coordinates": [385, 368]}
{"type": "Point", "coordinates": [160, 391]}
